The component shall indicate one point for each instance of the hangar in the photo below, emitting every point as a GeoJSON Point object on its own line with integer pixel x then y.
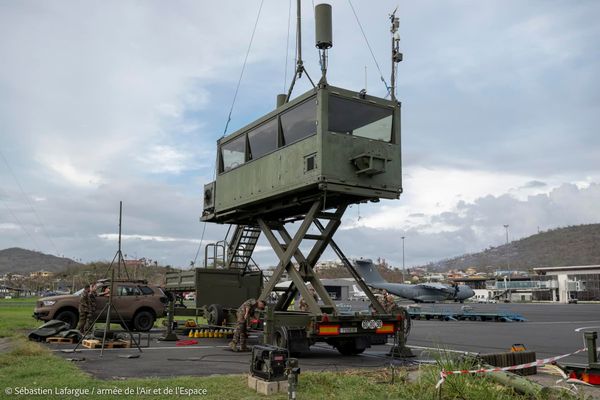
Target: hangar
{"type": "Point", "coordinates": [579, 282]}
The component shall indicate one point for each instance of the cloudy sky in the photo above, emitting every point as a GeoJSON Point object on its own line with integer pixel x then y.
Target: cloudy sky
{"type": "Point", "coordinates": [124, 100]}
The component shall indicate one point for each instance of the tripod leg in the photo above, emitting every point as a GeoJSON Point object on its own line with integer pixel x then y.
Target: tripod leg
{"type": "Point", "coordinates": [127, 329]}
{"type": "Point", "coordinates": [91, 327]}
{"type": "Point", "coordinates": [106, 326]}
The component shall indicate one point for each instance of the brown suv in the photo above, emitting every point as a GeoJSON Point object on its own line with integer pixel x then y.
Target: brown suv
{"type": "Point", "coordinates": [138, 303]}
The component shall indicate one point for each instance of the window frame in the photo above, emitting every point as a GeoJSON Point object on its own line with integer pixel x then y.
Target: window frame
{"type": "Point", "coordinates": [392, 139]}
{"type": "Point", "coordinates": [280, 137]}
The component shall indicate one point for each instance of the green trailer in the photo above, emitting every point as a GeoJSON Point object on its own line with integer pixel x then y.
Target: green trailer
{"type": "Point", "coordinates": [218, 292]}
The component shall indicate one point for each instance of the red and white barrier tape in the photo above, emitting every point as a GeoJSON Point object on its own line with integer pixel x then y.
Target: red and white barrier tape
{"type": "Point", "coordinates": [536, 363]}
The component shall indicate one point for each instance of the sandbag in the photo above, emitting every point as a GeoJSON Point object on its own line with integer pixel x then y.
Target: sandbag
{"type": "Point", "coordinates": [50, 328]}
{"type": "Point", "coordinates": [71, 333]}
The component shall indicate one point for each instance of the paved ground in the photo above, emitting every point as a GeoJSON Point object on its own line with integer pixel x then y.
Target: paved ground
{"type": "Point", "coordinates": [550, 331]}
{"type": "Point", "coordinates": [209, 357]}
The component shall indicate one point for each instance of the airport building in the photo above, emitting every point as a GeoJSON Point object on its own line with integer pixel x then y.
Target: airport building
{"type": "Point", "coordinates": [569, 283]}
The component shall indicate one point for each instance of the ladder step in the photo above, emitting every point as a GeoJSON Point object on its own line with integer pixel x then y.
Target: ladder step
{"type": "Point", "coordinates": [326, 215]}
{"type": "Point", "coordinates": [314, 237]}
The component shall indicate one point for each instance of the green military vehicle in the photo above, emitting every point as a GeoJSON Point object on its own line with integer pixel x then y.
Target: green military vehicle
{"type": "Point", "coordinates": [305, 162]}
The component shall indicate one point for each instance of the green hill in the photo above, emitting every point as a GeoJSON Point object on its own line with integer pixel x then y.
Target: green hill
{"type": "Point", "coordinates": [22, 261]}
{"type": "Point", "coordinates": [573, 245]}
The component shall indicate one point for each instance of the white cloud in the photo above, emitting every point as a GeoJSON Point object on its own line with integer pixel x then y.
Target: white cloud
{"type": "Point", "coordinates": [164, 159]}
{"type": "Point", "coordinates": [115, 237]}
{"type": "Point", "coordinates": [7, 226]}
{"type": "Point", "coordinates": [433, 191]}
{"type": "Point", "coordinates": [73, 174]}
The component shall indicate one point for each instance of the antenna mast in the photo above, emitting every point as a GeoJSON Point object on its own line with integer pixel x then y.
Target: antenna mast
{"type": "Point", "coordinates": [396, 55]}
{"type": "Point", "coordinates": [299, 63]}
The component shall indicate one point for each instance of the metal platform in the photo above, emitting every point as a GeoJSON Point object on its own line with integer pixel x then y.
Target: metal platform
{"type": "Point", "coordinates": [446, 314]}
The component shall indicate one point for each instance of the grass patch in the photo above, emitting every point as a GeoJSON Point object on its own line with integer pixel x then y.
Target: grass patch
{"type": "Point", "coordinates": [16, 317]}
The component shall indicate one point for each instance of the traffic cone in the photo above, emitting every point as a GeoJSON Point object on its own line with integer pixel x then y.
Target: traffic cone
{"type": "Point", "coordinates": [203, 333]}
{"type": "Point", "coordinates": [191, 333]}
{"type": "Point", "coordinates": [197, 334]}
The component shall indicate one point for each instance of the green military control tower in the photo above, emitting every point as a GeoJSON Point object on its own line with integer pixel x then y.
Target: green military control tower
{"type": "Point", "coordinates": [307, 161]}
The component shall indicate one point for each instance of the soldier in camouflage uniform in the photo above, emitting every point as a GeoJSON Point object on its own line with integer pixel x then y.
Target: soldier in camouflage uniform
{"type": "Point", "coordinates": [244, 313]}
{"type": "Point", "coordinates": [303, 305]}
{"type": "Point", "coordinates": [389, 304]}
{"type": "Point", "coordinates": [87, 307]}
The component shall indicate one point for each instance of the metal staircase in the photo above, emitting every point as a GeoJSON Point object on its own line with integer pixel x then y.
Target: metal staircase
{"type": "Point", "coordinates": [242, 246]}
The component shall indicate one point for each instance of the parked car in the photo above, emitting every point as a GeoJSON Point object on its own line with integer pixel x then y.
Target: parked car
{"type": "Point", "coordinates": [138, 303]}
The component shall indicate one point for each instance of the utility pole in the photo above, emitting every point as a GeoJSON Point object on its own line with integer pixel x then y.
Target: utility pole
{"type": "Point", "coordinates": [508, 262]}
{"type": "Point", "coordinates": [403, 267]}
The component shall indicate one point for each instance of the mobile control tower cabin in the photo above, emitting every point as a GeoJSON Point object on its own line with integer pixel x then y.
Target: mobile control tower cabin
{"type": "Point", "coordinates": [329, 143]}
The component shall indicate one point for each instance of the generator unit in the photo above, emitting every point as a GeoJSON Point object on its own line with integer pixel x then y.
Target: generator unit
{"type": "Point", "coordinates": [269, 362]}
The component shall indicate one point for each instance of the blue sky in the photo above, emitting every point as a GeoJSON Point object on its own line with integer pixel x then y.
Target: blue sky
{"type": "Point", "coordinates": [125, 101]}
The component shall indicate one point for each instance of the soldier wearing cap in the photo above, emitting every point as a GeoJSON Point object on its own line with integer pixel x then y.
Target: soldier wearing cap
{"type": "Point", "coordinates": [87, 307]}
{"type": "Point", "coordinates": [244, 313]}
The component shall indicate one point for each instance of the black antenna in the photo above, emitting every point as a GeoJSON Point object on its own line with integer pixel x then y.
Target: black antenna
{"type": "Point", "coordinates": [396, 55]}
{"type": "Point", "coordinates": [109, 304]}
{"type": "Point", "coordinates": [299, 63]}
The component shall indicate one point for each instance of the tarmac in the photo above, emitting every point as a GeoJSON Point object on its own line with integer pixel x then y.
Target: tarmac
{"type": "Point", "coordinates": [211, 356]}
{"type": "Point", "coordinates": [549, 331]}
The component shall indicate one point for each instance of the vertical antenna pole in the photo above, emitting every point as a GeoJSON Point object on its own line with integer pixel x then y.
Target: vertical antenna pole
{"type": "Point", "coordinates": [396, 55]}
{"type": "Point", "coordinates": [120, 254]}
{"type": "Point", "coordinates": [299, 37]}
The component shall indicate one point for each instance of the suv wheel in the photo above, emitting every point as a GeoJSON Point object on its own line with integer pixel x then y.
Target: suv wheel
{"type": "Point", "coordinates": [70, 317]}
{"type": "Point", "coordinates": [143, 321]}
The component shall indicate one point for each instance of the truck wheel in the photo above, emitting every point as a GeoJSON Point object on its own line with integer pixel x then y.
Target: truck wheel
{"type": "Point", "coordinates": [215, 314]}
{"type": "Point", "coordinates": [349, 348]}
{"type": "Point", "coordinates": [70, 317]}
{"type": "Point", "coordinates": [280, 338]}
{"type": "Point", "coordinates": [143, 321]}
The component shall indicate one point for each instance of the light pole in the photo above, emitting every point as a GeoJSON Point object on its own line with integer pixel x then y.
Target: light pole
{"type": "Point", "coordinates": [508, 262]}
{"type": "Point", "coordinates": [403, 270]}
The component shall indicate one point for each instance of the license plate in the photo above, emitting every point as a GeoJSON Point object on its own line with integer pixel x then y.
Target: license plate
{"type": "Point", "coordinates": [348, 330]}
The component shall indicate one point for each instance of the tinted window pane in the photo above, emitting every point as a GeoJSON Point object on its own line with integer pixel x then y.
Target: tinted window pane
{"type": "Point", "coordinates": [233, 153]}
{"type": "Point", "coordinates": [299, 122]}
{"type": "Point", "coordinates": [360, 119]}
{"type": "Point", "coordinates": [128, 291]}
{"type": "Point", "coordinates": [146, 290]}
{"type": "Point", "coordinates": [263, 139]}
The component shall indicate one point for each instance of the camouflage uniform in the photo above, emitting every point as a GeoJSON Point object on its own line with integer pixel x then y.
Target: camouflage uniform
{"type": "Point", "coordinates": [87, 307]}
{"type": "Point", "coordinates": [303, 305]}
{"type": "Point", "coordinates": [241, 331]}
{"type": "Point", "coordinates": [390, 305]}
